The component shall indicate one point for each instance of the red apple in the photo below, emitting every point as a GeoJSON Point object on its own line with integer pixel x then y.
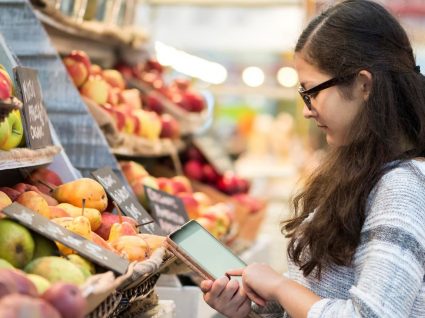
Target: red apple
{"type": "Point", "coordinates": [193, 153]}
{"type": "Point", "coordinates": [228, 183]}
{"type": "Point", "coordinates": [253, 204]}
{"type": "Point", "coordinates": [190, 204]}
{"type": "Point", "coordinates": [192, 101]}
{"type": "Point", "coordinates": [46, 175]}
{"type": "Point", "coordinates": [6, 85]}
{"type": "Point", "coordinates": [114, 96]}
{"type": "Point", "coordinates": [117, 115]}
{"type": "Point", "coordinates": [152, 103]}
{"type": "Point", "coordinates": [170, 127]}
{"type": "Point", "coordinates": [125, 70]}
{"type": "Point", "coordinates": [152, 79]}
{"type": "Point", "coordinates": [181, 184]}
{"type": "Point", "coordinates": [210, 174]}
{"type": "Point", "coordinates": [166, 185]}
{"type": "Point", "coordinates": [193, 170]}
{"type": "Point", "coordinates": [82, 57]}
{"type": "Point", "coordinates": [67, 299]}
{"type": "Point", "coordinates": [133, 171]}
{"type": "Point", "coordinates": [78, 66]}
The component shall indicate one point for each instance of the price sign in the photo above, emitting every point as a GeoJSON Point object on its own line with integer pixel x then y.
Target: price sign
{"type": "Point", "coordinates": [214, 153]}
{"type": "Point", "coordinates": [168, 210]}
{"type": "Point", "coordinates": [128, 204]}
{"type": "Point", "coordinates": [37, 131]}
{"type": "Point", "coordinates": [55, 232]}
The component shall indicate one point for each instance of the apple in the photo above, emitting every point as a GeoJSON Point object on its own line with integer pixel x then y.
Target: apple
{"type": "Point", "coordinates": [133, 171]}
{"type": "Point", "coordinates": [190, 203]}
{"type": "Point", "coordinates": [166, 185]}
{"type": "Point", "coordinates": [221, 214]}
{"type": "Point", "coordinates": [210, 174]}
{"type": "Point", "coordinates": [114, 78]}
{"type": "Point", "coordinates": [181, 84]}
{"type": "Point", "coordinates": [192, 101]}
{"type": "Point", "coordinates": [209, 225]}
{"type": "Point", "coordinates": [4, 131]}
{"type": "Point", "coordinates": [153, 103]}
{"type": "Point", "coordinates": [131, 97]}
{"type": "Point", "coordinates": [96, 89]}
{"type": "Point", "coordinates": [16, 130]}
{"type": "Point", "coordinates": [253, 204]}
{"type": "Point", "coordinates": [151, 124]}
{"type": "Point", "coordinates": [193, 170]}
{"type": "Point", "coordinates": [114, 96]}
{"type": "Point", "coordinates": [6, 85]}
{"type": "Point", "coordinates": [182, 184]}
{"type": "Point", "coordinates": [228, 183]}
{"type": "Point", "coordinates": [153, 79]}
{"type": "Point", "coordinates": [95, 70]}
{"type": "Point", "coordinates": [170, 127]}
{"type": "Point", "coordinates": [116, 114]}
{"type": "Point", "coordinates": [138, 187]}
{"type": "Point", "coordinates": [78, 66]}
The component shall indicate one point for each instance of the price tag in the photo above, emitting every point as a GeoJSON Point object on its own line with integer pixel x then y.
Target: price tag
{"type": "Point", "coordinates": [128, 204]}
{"type": "Point", "coordinates": [55, 232]}
{"type": "Point", "coordinates": [168, 210]}
{"type": "Point", "coordinates": [37, 131]}
{"type": "Point", "coordinates": [214, 153]}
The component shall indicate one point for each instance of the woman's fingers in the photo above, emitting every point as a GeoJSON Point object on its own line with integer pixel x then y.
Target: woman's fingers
{"type": "Point", "coordinates": [254, 296]}
{"type": "Point", "coordinates": [206, 285]}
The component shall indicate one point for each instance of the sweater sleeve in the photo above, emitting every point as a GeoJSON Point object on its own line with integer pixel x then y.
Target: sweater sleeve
{"type": "Point", "coordinates": [389, 261]}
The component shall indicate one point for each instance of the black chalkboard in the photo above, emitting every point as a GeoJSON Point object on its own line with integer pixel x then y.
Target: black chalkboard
{"type": "Point", "coordinates": [127, 202]}
{"type": "Point", "coordinates": [168, 210]}
{"type": "Point", "coordinates": [55, 232]}
{"type": "Point", "coordinates": [214, 152]}
{"type": "Point", "coordinates": [37, 131]}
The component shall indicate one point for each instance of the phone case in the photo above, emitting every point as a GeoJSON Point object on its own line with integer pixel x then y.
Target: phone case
{"type": "Point", "coordinates": [178, 252]}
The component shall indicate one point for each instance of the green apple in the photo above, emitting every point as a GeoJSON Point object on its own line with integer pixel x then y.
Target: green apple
{"type": "Point", "coordinates": [4, 132]}
{"type": "Point", "coordinates": [16, 130]}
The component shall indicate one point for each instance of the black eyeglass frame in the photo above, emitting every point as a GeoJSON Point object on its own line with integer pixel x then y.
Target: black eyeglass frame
{"type": "Point", "coordinates": [306, 94]}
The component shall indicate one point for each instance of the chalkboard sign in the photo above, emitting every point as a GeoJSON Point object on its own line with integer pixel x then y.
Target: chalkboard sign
{"type": "Point", "coordinates": [214, 152]}
{"type": "Point", "coordinates": [37, 131]}
{"type": "Point", "coordinates": [55, 232]}
{"type": "Point", "coordinates": [168, 210]}
{"type": "Point", "coordinates": [125, 200]}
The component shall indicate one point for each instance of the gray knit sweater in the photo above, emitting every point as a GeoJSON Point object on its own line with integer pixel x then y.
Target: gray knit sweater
{"type": "Point", "coordinates": [386, 278]}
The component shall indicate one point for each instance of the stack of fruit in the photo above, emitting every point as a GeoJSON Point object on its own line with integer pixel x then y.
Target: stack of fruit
{"type": "Point", "coordinates": [11, 129]}
{"type": "Point", "coordinates": [179, 91]}
{"type": "Point", "coordinates": [217, 218]}
{"type": "Point", "coordinates": [107, 88]}
{"type": "Point", "coordinates": [80, 206]}
{"type": "Point", "coordinates": [29, 295]}
{"type": "Point", "coordinates": [196, 167]}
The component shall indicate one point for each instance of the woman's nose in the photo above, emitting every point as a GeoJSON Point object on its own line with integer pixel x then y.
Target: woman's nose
{"type": "Point", "coordinates": [307, 113]}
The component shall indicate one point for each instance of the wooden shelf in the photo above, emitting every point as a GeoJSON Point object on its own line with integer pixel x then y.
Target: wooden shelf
{"type": "Point", "coordinates": [103, 43]}
{"type": "Point", "coordinates": [24, 157]}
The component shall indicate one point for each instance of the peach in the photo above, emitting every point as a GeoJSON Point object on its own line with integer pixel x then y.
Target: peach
{"type": "Point", "coordinates": [131, 97]}
{"type": "Point", "coordinates": [182, 184]}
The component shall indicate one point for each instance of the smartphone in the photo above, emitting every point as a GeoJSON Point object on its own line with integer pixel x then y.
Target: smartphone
{"type": "Point", "coordinates": [201, 251]}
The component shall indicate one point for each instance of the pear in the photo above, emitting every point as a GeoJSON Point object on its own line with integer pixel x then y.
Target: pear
{"type": "Point", "coordinates": [16, 243]}
{"type": "Point", "coordinates": [121, 229]}
{"type": "Point", "coordinates": [93, 215]}
{"type": "Point", "coordinates": [84, 188]}
{"type": "Point", "coordinates": [79, 225]}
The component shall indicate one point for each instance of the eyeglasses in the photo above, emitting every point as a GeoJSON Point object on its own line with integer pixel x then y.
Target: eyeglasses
{"type": "Point", "coordinates": [307, 94]}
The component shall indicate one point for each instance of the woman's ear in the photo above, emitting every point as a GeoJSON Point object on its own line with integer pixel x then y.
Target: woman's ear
{"type": "Point", "coordinates": [365, 81]}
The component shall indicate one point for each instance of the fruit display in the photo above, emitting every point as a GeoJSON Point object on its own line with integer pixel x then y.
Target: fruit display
{"type": "Point", "coordinates": [30, 295]}
{"type": "Point", "coordinates": [179, 91]}
{"type": "Point", "coordinates": [80, 207]}
{"type": "Point", "coordinates": [217, 218]}
{"type": "Point", "coordinates": [11, 127]}
{"type": "Point", "coordinates": [127, 107]}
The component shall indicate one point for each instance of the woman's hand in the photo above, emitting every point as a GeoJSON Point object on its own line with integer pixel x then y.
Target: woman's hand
{"type": "Point", "coordinates": [227, 297]}
{"type": "Point", "coordinates": [260, 282]}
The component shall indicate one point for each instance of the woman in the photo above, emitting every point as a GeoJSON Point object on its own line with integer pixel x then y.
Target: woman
{"type": "Point", "coordinates": [357, 240]}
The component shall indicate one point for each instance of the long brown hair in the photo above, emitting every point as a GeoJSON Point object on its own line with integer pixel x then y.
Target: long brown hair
{"type": "Point", "coordinates": [351, 36]}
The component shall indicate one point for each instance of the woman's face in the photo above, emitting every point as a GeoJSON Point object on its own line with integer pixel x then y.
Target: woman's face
{"type": "Point", "coordinates": [332, 113]}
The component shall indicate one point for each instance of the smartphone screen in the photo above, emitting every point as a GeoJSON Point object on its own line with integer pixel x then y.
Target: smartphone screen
{"type": "Point", "coordinates": [205, 249]}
